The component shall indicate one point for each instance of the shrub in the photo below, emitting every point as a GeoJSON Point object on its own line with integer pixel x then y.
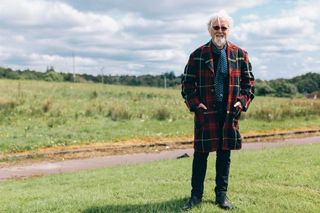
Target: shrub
{"type": "Point", "coordinates": [47, 105]}
{"type": "Point", "coordinates": [89, 112]}
{"type": "Point", "coordinates": [263, 88]}
{"type": "Point", "coordinates": [283, 88]}
{"type": "Point", "coordinates": [53, 76]}
{"type": "Point", "coordinates": [7, 104]}
{"type": "Point", "coordinates": [161, 114]}
{"type": "Point", "coordinates": [94, 95]}
{"type": "Point", "coordinates": [119, 113]}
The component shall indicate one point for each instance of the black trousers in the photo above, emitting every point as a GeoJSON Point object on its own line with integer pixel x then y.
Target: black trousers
{"type": "Point", "coordinates": [199, 167]}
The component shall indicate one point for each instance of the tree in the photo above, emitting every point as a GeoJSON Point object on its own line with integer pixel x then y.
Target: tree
{"type": "Point", "coordinates": [53, 76]}
{"type": "Point", "coordinates": [283, 88]}
{"type": "Point", "coordinates": [307, 86]}
{"type": "Point", "coordinates": [263, 88]}
{"type": "Point", "coordinates": [307, 83]}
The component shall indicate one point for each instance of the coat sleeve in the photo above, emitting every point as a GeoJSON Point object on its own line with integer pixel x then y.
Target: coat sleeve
{"type": "Point", "coordinates": [189, 85]}
{"type": "Point", "coordinates": [246, 82]}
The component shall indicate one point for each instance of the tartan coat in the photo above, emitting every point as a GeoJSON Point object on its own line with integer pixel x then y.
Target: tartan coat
{"type": "Point", "coordinates": [198, 87]}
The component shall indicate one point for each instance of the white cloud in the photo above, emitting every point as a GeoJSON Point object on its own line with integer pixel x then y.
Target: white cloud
{"type": "Point", "coordinates": [280, 40]}
{"type": "Point", "coordinates": [140, 37]}
{"type": "Point", "coordinates": [135, 66]}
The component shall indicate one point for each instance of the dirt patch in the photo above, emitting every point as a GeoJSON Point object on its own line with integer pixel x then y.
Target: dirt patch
{"type": "Point", "coordinates": [50, 167]}
{"type": "Point", "coordinates": [132, 146]}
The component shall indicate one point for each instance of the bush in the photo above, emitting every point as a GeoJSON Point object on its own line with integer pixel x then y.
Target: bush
{"type": "Point", "coordinates": [7, 104]}
{"type": "Point", "coordinates": [47, 106]}
{"type": "Point", "coordinates": [291, 109]}
{"type": "Point", "coordinates": [53, 76]}
{"type": "Point", "coordinates": [283, 88]}
{"type": "Point", "coordinates": [119, 113]}
{"type": "Point", "coordinates": [263, 88]}
{"type": "Point", "coordinates": [161, 114]}
{"type": "Point", "coordinates": [94, 95]}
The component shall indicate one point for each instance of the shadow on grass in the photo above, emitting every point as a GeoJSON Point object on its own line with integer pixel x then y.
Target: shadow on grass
{"type": "Point", "coordinates": [169, 206]}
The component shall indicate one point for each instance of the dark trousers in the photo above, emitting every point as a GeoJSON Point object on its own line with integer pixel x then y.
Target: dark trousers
{"type": "Point", "coordinates": [199, 167]}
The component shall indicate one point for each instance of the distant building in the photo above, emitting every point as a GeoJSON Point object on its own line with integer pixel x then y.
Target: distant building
{"type": "Point", "coordinates": [313, 95]}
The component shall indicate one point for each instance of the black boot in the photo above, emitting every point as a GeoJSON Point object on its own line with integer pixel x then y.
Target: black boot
{"type": "Point", "coordinates": [192, 202]}
{"type": "Point", "coordinates": [222, 176]}
{"type": "Point", "coordinates": [223, 202]}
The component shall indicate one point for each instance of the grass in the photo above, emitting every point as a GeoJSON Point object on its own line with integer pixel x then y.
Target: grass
{"type": "Point", "coordinates": [36, 114]}
{"type": "Point", "coordinates": [282, 179]}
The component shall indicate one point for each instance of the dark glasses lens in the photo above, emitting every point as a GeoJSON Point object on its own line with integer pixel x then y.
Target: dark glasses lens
{"type": "Point", "coordinates": [223, 28]}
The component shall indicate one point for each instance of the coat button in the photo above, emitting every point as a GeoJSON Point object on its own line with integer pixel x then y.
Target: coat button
{"type": "Point", "coordinates": [212, 90]}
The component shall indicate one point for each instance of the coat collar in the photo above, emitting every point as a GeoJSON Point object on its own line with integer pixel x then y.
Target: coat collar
{"type": "Point", "coordinates": [207, 53]}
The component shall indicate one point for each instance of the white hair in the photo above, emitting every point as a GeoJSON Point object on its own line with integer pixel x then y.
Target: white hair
{"type": "Point", "coordinates": [222, 14]}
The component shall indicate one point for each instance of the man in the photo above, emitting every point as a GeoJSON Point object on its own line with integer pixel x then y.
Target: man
{"type": "Point", "coordinates": [217, 85]}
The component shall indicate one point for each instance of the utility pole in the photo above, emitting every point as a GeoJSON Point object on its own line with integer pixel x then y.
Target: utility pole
{"type": "Point", "coordinates": [102, 74]}
{"type": "Point", "coordinates": [73, 67]}
{"type": "Point", "coordinates": [165, 81]}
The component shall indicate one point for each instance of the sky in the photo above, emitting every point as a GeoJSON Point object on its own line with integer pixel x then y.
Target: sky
{"type": "Point", "coordinates": [136, 37]}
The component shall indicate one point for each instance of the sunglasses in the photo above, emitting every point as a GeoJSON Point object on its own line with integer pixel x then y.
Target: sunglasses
{"type": "Point", "coordinates": [223, 28]}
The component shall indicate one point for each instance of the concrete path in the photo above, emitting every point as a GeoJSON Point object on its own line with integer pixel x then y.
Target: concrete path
{"type": "Point", "coordinates": [45, 168]}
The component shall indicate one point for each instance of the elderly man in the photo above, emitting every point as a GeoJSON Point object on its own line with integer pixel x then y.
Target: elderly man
{"type": "Point", "coordinates": [217, 86]}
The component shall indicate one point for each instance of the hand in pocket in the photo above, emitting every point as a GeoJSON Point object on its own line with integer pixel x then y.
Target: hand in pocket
{"type": "Point", "coordinates": [199, 116]}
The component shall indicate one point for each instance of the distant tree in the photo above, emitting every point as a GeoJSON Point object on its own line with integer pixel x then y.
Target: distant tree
{"type": "Point", "coordinates": [307, 83]}
{"type": "Point", "coordinates": [170, 75]}
{"type": "Point", "coordinates": [50, 69]}
{"type": "Point", "coordinates": [53, 76]}
{"type": "Point", "coordinates": [263, 88]}
{"type": "Point", "coordinates": [3, 72]}
{"type": "Point", "coordinates": [283, 88]}
{"type": "Point", "coordinates": [307, 86]}
{"type": "Point", "coordinates": [12, 74]}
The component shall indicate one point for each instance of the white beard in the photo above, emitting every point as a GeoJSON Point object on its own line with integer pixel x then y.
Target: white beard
{"type": "Point", "coordinates": [219, 41]}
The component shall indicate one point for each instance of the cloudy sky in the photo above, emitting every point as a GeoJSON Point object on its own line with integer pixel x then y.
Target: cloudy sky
{"type": "Point", "coordinates": [138, 37]}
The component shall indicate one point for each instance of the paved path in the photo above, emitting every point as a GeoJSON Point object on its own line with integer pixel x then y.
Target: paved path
{"type": "Point", "coordinates": [45, 168]}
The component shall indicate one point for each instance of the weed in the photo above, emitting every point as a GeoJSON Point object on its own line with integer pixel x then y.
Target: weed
{"type": "Point", "coordinates": [47, 105]}
{"type": "Point", "coordinates": [94, 95]}
{"type": "Point", "coordinates": [119, 113]}
{"type": "Point", "coordinates": [7, 104]}
{"type": "Point", "coordinates": [161, 114]}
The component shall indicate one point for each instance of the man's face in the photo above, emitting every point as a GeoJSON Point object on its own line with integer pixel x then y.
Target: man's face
{"type": "Point", "coordinates": [219, 32]}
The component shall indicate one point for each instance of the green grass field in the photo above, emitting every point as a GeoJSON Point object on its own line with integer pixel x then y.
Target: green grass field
{"type": "Point", "coordinates": [282, 179]}
{"type": "Point", "coordinates": [36, 114]}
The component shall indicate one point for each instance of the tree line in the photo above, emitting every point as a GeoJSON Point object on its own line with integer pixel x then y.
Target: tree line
{"type": "Point", "coordinates": [303, 84]}
{"type": "Point", "coordinates": [164, 80]}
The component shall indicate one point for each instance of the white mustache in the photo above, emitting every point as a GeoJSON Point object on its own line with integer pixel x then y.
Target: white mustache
{"type": "Point", "coordinates": [219, 40]}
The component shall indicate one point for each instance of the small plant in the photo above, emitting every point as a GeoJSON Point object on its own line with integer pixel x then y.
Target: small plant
{"type": "Point", "coordinates": [53, 122]}
{"type": "Point", "coordinates": [94, 95]}
{"type": "Point", "coordinates": [47, 105]}
{"type": "Point", "coordinates": [7, 104]}
{"type": "Point", "coordinates": [88, 112]}
{"type": "Point", "coordinates": [56, 112]}
{"type": "Point", "coordinates": [119, 113]}
{"type": "Point", "coordinates": [161, 114]}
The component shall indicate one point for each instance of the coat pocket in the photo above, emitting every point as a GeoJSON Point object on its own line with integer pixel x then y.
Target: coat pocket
{"type": "Point", "coordinates": [199, 118]}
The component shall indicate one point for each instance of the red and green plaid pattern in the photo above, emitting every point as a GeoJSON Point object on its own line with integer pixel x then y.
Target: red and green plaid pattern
{"type": "Point", "coordinates": [197, 87]}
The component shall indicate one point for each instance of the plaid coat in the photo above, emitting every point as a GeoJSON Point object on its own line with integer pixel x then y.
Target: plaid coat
{"type": "Point", "coordinates": [197, 87]}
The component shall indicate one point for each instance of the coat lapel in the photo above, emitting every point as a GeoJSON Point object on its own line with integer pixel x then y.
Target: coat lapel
{"type": "Point", "coordinates": [232, 57]}
{"type": "Point", "coordinates": [207, 56]}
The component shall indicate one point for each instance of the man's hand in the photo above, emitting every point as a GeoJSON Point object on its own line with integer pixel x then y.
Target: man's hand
{"type": "Point", "coordinates": [201, 105]}
{"type": "Point", "coordinates": [238, 105]}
